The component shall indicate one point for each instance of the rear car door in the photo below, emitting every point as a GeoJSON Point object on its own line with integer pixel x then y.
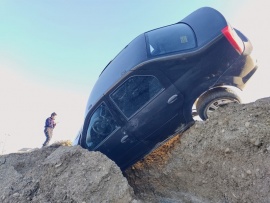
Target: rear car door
{"type": "Point", "coordinates": [151, 104]}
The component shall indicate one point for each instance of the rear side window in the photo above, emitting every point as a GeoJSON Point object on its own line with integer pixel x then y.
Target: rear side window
{"type": "Point", "coordinates": [101, 125]}
{"type": "Point", "coordinates": [135, 92]}
{"type": "Point", "coordinates": [173, 38]}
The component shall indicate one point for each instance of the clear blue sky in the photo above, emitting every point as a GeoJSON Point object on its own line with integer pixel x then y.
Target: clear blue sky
{"type": "Point", "coordinates": [68, 41]}
{"type": "Point", "coordinates": [51, 53]}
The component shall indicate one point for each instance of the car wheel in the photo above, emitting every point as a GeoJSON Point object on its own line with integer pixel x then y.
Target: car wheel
{"type": "Point", "coordinates": [213, 99]}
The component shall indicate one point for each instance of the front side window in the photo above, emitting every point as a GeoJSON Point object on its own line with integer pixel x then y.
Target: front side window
{"type": "Point", "coordinates": [173, 38]}
{"type": "Point", "coordinates": [101, 125]}
{"type": "Point", "coordinates": [135, 92]}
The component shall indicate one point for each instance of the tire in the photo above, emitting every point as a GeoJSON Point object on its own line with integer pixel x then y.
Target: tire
{"type": "Point", "coordinates": [213, 99]}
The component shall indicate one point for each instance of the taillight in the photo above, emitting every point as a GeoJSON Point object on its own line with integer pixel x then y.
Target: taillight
{"type": "Point", "coordinates": [233, 38]}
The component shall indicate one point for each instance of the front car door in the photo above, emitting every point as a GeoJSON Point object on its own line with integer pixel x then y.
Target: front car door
{"type": "Point", "coordinates": [105, 133]}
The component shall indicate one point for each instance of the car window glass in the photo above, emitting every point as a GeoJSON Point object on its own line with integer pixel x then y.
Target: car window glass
{"type": "Point", "coordinates": [177, 37]}
{"type": "Point", "coordinates": [102, 124]}
{"type": "Point", "coordinates": [135, 92]}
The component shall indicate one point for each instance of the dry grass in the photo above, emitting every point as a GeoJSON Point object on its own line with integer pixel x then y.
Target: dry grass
{"type": "Point", "coordinates": [160, 155]}
{"type": "Point", "coordinates": [62, 143]}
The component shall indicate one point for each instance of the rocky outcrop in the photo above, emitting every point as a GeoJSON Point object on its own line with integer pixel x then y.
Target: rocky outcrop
{"type": "Point", "coordinates": [222, 160]}
{"type": "Point", "coordinates": [62, 174]}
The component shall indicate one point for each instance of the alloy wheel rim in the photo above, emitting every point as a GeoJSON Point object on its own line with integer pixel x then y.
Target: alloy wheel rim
{"type": "Point", "coordinates": [218, 103]}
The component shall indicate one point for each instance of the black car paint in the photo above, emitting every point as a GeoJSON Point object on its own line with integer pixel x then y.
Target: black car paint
{"type": "Point", "coordinates": [185, 75]}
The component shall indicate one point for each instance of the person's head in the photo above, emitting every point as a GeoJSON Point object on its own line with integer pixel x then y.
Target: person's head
{"type": "Point", "coordinates": [53, 115]}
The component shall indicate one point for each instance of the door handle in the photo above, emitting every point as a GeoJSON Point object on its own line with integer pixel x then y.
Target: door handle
{"type": "Point", "coordinates": [124, 139]}
{"type": "Point", "coordinates": [172, 99]}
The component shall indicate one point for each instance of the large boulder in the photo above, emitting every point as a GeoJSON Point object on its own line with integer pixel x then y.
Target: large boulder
{"type": "Point", "coordinates": [62, 174]}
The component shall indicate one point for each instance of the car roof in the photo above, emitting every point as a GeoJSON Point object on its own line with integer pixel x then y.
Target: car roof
{"type": "Point", "coordinates": [132, 55]}
{"type": "Point", "coordinates": [207, 23]}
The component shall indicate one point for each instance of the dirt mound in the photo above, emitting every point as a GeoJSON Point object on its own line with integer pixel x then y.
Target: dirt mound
{"type": "Point", "coordinates": [62, 174]}
{"type": "Point", "coordinates": [224, 159]}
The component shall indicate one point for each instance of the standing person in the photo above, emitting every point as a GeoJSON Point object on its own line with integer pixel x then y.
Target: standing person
{"type": "Point", "coordinates": [49, 126]}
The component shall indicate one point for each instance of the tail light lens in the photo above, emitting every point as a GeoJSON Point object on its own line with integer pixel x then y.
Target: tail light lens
{"type": "Point", "coordinates": [233, 38]}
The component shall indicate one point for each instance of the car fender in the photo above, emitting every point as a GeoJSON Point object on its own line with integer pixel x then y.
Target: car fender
{"type": "Point", "coordinates": [191, 97]}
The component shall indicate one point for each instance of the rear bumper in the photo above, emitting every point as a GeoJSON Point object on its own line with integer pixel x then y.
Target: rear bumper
{"type": "Point", "coordinates": [242, 69]}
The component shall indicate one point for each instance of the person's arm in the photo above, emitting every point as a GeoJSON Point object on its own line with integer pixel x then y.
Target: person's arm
{"type": "Point", "coordinates": [47, 123]}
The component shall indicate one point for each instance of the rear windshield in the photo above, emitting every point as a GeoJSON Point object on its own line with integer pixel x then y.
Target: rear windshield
{"type": "Point", "coordinates": [173, 38]}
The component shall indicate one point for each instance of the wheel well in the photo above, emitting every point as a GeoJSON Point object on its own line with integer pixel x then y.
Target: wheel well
{"type": "Point", "coordinates": [190, 103]}
{"type": "Point", "coordinates": [233, 88]}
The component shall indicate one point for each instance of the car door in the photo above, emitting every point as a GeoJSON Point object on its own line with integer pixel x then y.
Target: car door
{"type": "Point", "coordinates": [151, 104]}
{"type": "Point", "coordinates": [107, 134]}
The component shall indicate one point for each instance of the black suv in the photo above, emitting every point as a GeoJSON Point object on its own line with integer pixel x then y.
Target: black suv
{"type": "Point", "coordinates": [145, 95]}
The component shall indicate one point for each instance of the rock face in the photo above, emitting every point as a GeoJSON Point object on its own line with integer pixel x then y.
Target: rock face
{"type": "Point", "coordinates": [225, 159]}
{"type": "Point", "coordinates": [63, 174]}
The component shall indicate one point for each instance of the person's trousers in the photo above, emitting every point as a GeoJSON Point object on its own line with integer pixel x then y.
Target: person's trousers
{"type": "Point", "coordinates": [48, 133]}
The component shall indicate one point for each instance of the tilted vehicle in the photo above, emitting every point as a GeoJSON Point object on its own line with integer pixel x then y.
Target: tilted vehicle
{"type": "Point", "coordinates": [145, 95]}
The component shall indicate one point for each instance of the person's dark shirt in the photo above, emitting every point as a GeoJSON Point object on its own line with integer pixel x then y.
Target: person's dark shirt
{"type": "Point", "coordinates": [50, 123]}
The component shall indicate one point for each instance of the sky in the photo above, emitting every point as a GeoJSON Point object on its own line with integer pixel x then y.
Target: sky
{"type": "Point", "coordinates": [52, 52]}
